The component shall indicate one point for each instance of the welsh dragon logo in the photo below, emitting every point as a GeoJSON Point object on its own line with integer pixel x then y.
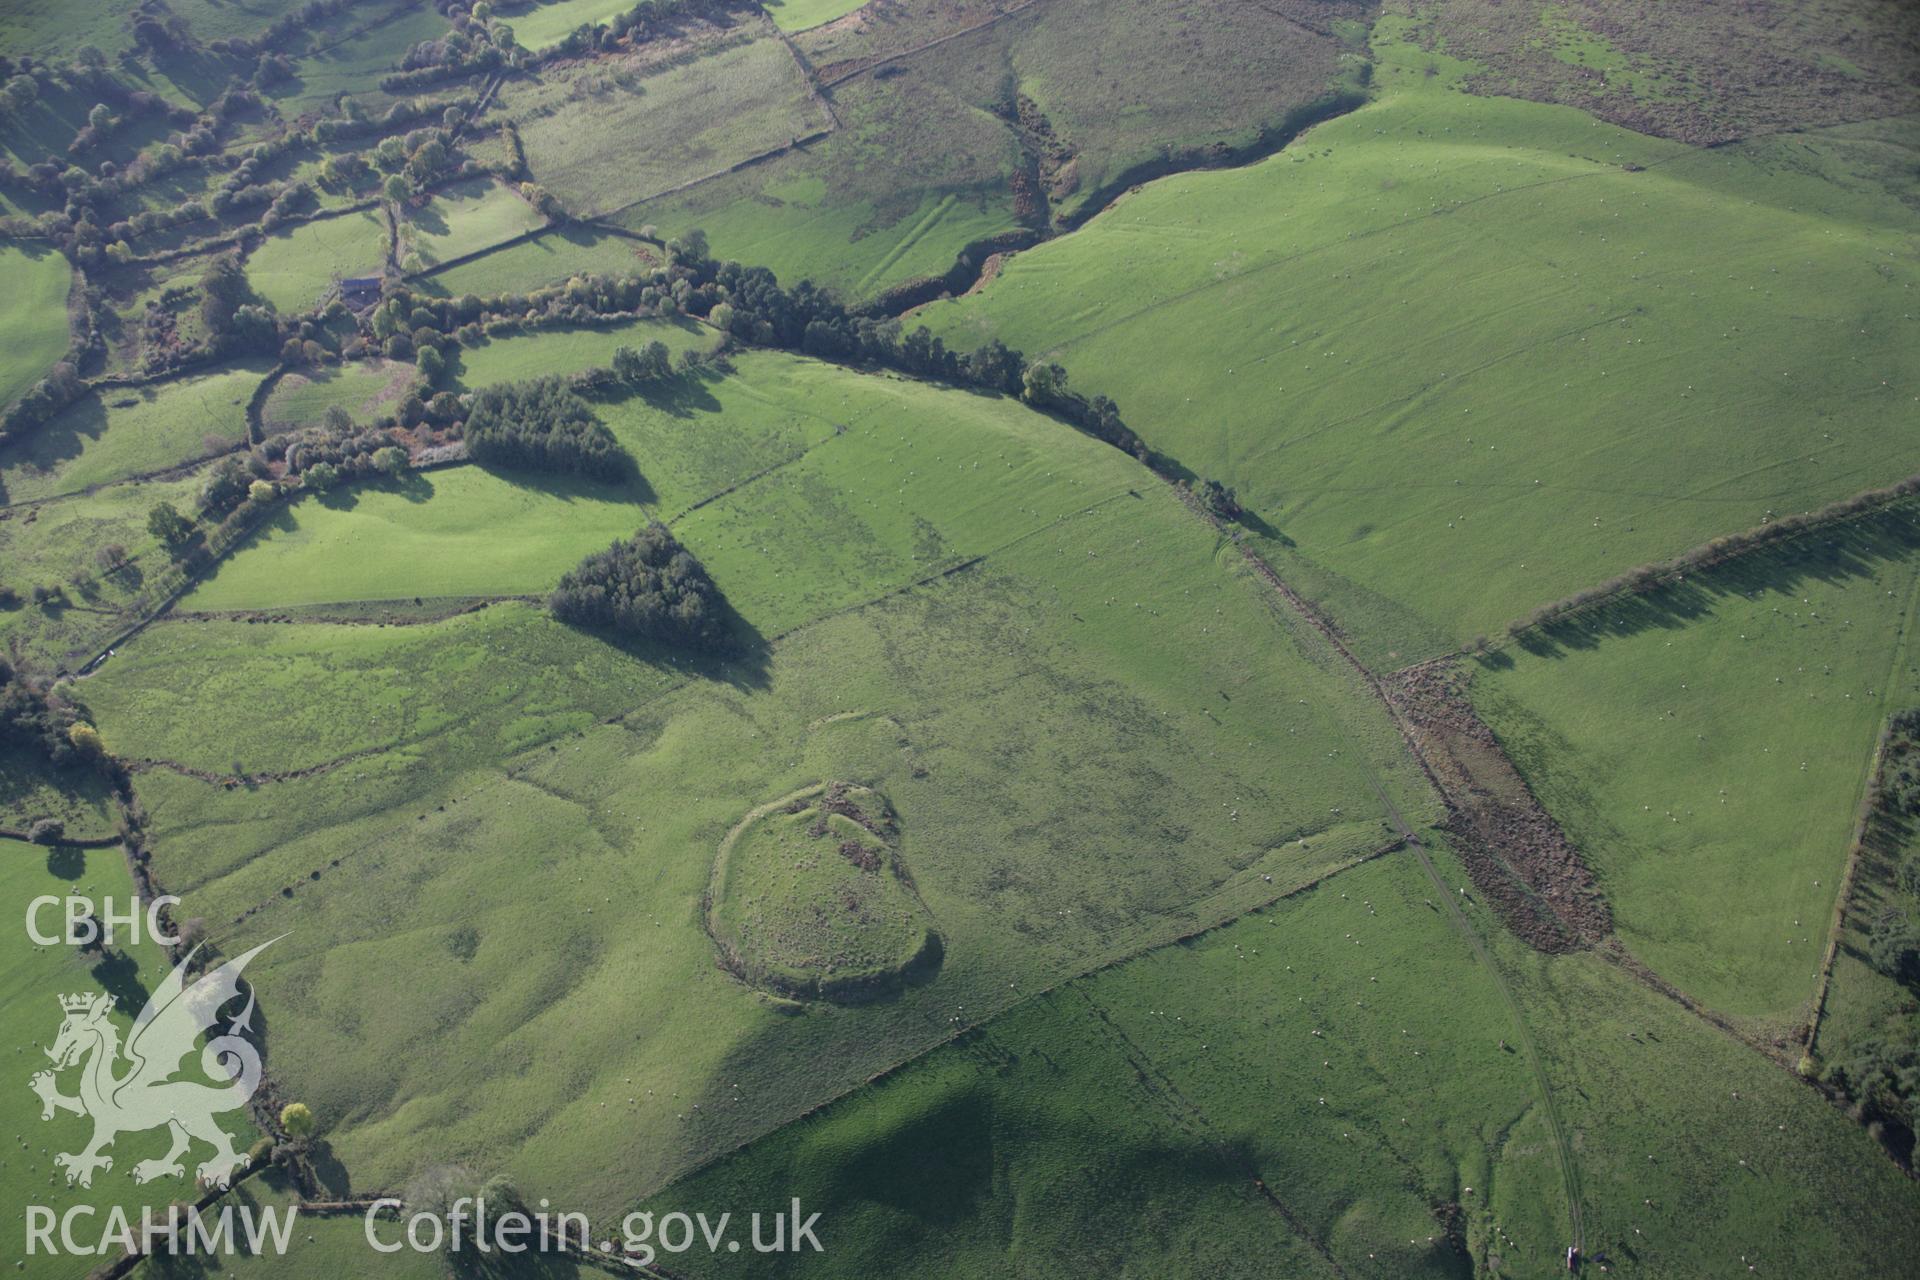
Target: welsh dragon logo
{"type": "Point", "coordinates": [145, 1095]}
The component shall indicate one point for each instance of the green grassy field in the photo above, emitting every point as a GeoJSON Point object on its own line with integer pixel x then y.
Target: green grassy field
{"type": "Point", "coordinates": [534, 264]}
{"type": "Point", "coordinates": [1173, 794]}
{"type": "Point", "coordinates": [129, 432]}
{"type": "Point", "coordinates": [655, 131]}
{"type": "Point", "coordinates": [379, 542]}
{"type": "Point", "coordinates": [928, 156]}
{"type": "Point", "coordinates": [911, 179]}
{"type": "Point", "coordinates": [1707, 746]}
{"type": "Point", "coordinates": [462, 219]}
{"type": "Point", "coordinates": [58, 542]}
{"type": "Point", "coordinates": [1695, 1154]}
{"type": "Point", "coordinates": [782, 217]}
{"type": "Point", "coordinates": [563, 351]}
{"type": "Point", "coordinates": [1119, 1122]}
{"type": "Point", "coordinates": [34, 331]}
{"type": "Point", "coordinates": [364, 389]}
{"type": "Point", "coordinates": [550, 21]}
{"type": "Point", "coordinates": [1027, 885]}
{"type": "Point", "coordinates": [354, 64]}
{"type": "Point", "coordinates": [219, 19]}
{"type": "Point", "coordinates": [53, 27]}
{"type": "Point", "coordinates": [294, 269]}
{"type": "Point", "coordinates": [1446, 330]}
{"type": "Point", "coordinates": [322, 1247]}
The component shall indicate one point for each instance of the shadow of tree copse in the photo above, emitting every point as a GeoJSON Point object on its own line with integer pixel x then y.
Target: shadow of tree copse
{"type": "Point", "coordinates": [566, 486]}
{"type": "Point", "coordinates": [743, 658]}
{"type": "Point", "coordinates": [684, 394]}
{"type": "Point", "coordinates": [56, 442]}
{"type": "Point", "coordinates": [66, 862]}
{"type": "Point", "coordinates": [119, 976]}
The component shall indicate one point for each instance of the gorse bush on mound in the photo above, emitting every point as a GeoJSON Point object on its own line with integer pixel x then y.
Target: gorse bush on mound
{"type": "Point", "coordinates": [648, 586]}
{"type": "Point", "coordinates": [542, 426]}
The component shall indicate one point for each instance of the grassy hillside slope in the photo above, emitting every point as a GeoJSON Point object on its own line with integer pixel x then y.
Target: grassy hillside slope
{"type": "Point", "coordinates": [1122, 1120]}
{"type": "Point", "coordinates": [1707, 746]}
{"type": "Point", "coordinates": [1082, 764]}
{"type": "Point", "coordinates": [34, 330]}
{"type": "Point", "coordinates": [124, 432]}
{"type": "Point", "coordinates": [1447, 331]}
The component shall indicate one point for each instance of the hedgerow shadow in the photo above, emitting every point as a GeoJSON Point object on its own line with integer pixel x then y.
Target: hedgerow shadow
{"type": "Point", "coordinates": [59, 441]}
{"type": "Point", "coordinates": [1830, 556]}
{"type": "Point", "coordinates": [742, 659]}
{"type": "Point", "coordinates": [683, 395]}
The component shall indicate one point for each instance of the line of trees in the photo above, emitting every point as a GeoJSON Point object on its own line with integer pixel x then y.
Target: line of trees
{"type": "Point", "coordinates": [60, 388]}
{"type": "Point", "coordinates": [644, 21]}
{"type": "Point", "coordinates": [648, 586]}
{"type": "Point", "coordinates": [751, 306]}
{"type": "Point", "coordinates": [1880, 1071]}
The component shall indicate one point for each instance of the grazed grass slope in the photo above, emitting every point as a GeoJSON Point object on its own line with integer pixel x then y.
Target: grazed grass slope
{"type": "Point", "coordinates": [1447, 331]}
{"type": "Point", "coordinates": [1082, 764]}
{"type": "Point", "coordinates": [655, 130]}
{"type": "Point", "coordinates": [462, 219]}
{"type": "Point", "coordinates": [547, 259]}
{"type": "Point", "coordinates": [1706, 747]}
{"type": "Point", "coordinates": [563, 351]}
{"type": "Point", "coordinates": [33, 328]}
{"type": "Point", "coordinates": [58, 542]}
{"type": "Point", "coordinates": [32, 789]}
{"type": "Point", "coordinates": [123, 432]}
{"type": "Point", "coordinates": [798, 15]}
{"type": "Point", "coordinates": [1699, 72]}
{"type": "Point", "coordinates": [1120, 1121]}
{"type": "Point", "coordinates": [363, 389]}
